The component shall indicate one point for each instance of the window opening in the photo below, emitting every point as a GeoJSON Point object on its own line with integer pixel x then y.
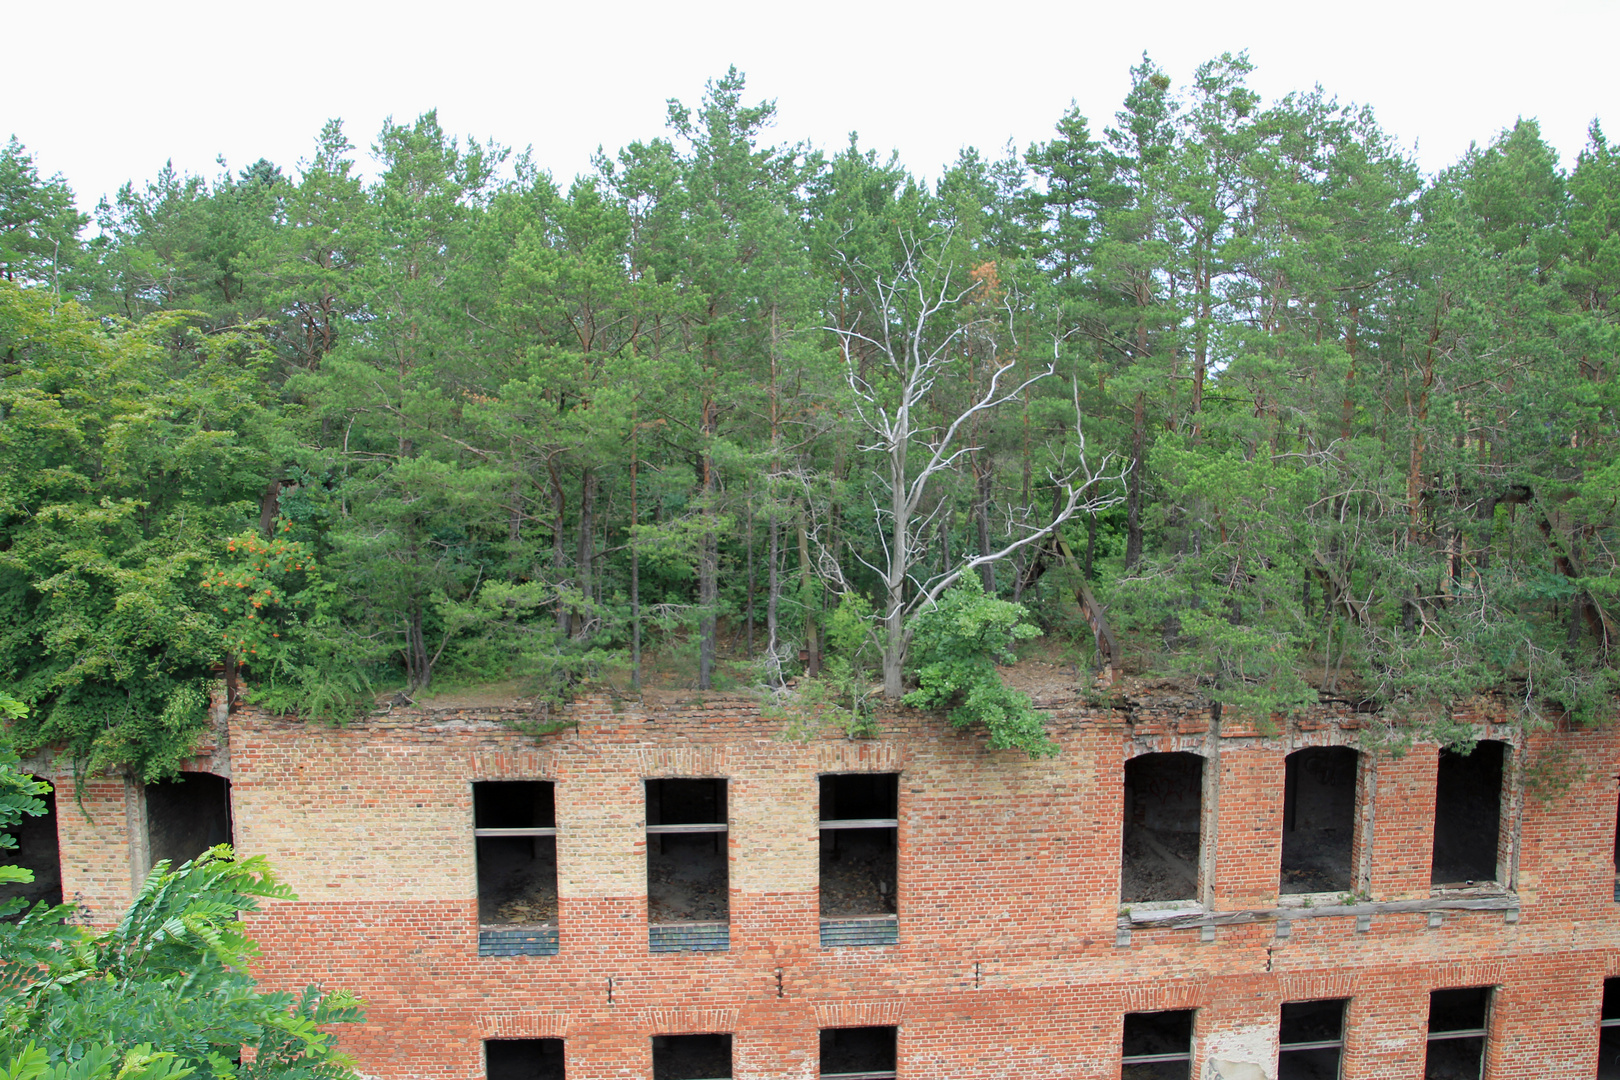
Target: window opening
{"type": "Point", "coordinates": [1617, 850]}
{"type": "Point", "coordinates": [523, 1059]}
{"type": "Point", "coordinates": [187, 816]}
{"type": "Point", "coordinates": [1319, 816]}
{"type": "Point", "coordinates": [1468, 815]}
{"type": "Point", "coordinates": [1609, 1032]}
{"type": "Point", "coordinates": [1457, 1025]}
{"type": "Point", "coordinates": [687, 878]}
{"type": "Point", "coordinates": [864, 1053]}
{"type": "Point", "coordinates": [691, 1057]}
{"type": "Point", "coordinates": [1157, 1045]}
{"type": "Point", "coordinates": [1163, 825]}
{"type": "Point", "coordinates": [36, 850]}
{"type": "Point", "coordinates": [859, 844]}
{"type": "Point", "coordinates": [515, 823]}
{"type": "Point", "coordinates": [1311, 1039]}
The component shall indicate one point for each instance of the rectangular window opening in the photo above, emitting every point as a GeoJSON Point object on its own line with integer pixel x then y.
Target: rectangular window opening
{"type": "Point", "coordinates": [688, 883]}
{"type": "Point", "coordinates": [859, 845]}
{"type": "Point", "coordinates": [1157, 1045]}
{"type": "Point", "coordinates": [1457, 1025]}
{"type": "Point", "coordinates": [36, 850]}
{"type": "Point", "coordinates": [515, 823]}
{"type": "Point", "coordinates": [1163, 827]}
{"type": "Point", "coordinates": [1311, 1040]}
{"type": "Point", "coordinates": [523, 1059]}
{"type": "Point", "coordinates": [1617, 850]}
{"type": "Point", "coordinates": [187, 816]}
{"type": "Point", "coordinates": [691, 1057]}
{"type": "Point", "coordinates": [863, 1053]}
{"type": "Point", "coordinates": [1468, 815]}
{"type": "Point", "coordinates": [1609, 1032]}
{"type": "Point", "coordinates": [1319, 817]}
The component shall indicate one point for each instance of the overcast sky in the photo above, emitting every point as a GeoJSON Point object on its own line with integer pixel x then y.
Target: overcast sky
{"type": "Point", "coordinates": [105, 92]}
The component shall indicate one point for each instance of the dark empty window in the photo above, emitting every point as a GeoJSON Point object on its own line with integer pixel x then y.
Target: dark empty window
{"type": "Point", "coordinates": [1468, 814]}
{"type": "Point", "coordinates": [1319, 814]}
{"type": "Point", "coordinates": [1609, 1032]}
{"type": "Point", "coordinates": [1457, 1021]}
{"type": "Point", "coordinates": [859, 829]}
{"type": "Point", "coordinates": [515, 822]}
{"type": "Point", "coordinates": [1163, 821]}
{"type": "Point", "coordinates": [686, 852]}
{"type": "Point", "coordinates": [523, 1059]}
{"type": "Point", "coordinates": [187, 816]}
{"type": "Point", "coordinates": [691, 1057]}
{"type": "Point", "coordinates": [863, 1053]}
{"type": "Point", "coordinates": [1311, 1038]}
{"type": "Point", "coordinates": [36, 850]}
{"type": "Point", "coordinates": [1157, 1046]}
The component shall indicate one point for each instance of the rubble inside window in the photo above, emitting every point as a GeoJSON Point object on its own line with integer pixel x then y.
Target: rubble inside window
{"type": "Point", "coordinates": [1319, 816]}
{"type": "Point", "coordinates": [515, 823]}
{"type": "Point", "coordinates": [687, 876]}
{"type": "Point", "coordinates": [1163, 827]}
{"type": "Point", "coordinates": [859, 844]}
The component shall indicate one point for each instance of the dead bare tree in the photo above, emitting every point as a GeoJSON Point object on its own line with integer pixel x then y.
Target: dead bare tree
{"type": "Point", "coordinates": [912, 345]}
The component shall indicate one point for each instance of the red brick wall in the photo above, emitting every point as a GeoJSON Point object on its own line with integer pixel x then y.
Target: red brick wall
{"type": "Point", "coordinates": [1007, 964]}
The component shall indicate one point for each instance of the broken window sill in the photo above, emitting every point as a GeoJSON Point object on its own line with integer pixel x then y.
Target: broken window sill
{"type": "Point", "coordinates": [1157, 917]}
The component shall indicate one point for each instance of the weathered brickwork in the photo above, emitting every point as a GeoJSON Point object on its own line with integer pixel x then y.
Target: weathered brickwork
{"type": "Point", "coordinates": [1013, 958]}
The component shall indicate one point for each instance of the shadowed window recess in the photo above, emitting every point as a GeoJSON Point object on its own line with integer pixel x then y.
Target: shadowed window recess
{"type": "Point", "coordinates": [688, 881]}
{"type": "Point", "coordinates": [524, 1059]}
{"type": "Point", "coordinates": [1310, 1039]}
{"type": "Point", "coordinates": [691, 1057]}
{"type": "Point", "coordinates": [515, 825]}
{"type": "Point", "coordinates": [1319, 815]}
{"type": "Point", "coordinates": [1164, 796]}
{"type": "Point", "coordinates": [1468, 815]}
{"type": "Point", "coordinates": [187, 816]}
{"type": "Point", "coordinates": [1157, 1045]}
{"type": "Point", "coordinates": [36, 850]}
{"type": "Point", "coordinates": [858, 1053]}
{"type": "Point", "coordinates": [1458, 1022]}
{"type": "Point", "coordinates": [859, 858]}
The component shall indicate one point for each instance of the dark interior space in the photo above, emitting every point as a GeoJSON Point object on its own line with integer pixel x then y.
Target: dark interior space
{"type": "Point", "coordinates": [517, 875]}
{"type": "Point", "coordinates": [1467, 814]}
{"type": "Point", "coordinates": [523, 1059]}
{"type": "Point", "coordinates": [1609, 1037]}
{"type": "Point", "coordinates": [846, 796]}
{"type": "Point", "coordinates": [1617, 849]}
{"type": "Point", "coordinates": [1157, 1045]}
{"type": "Point", "coordinates": [1457, 1021]}
{"type": "Point", "coordinates": [36, 850]}
{"type": "Point", "coordinates": [1163, 820]}
{"type": "Point", "coordinates": [857, 1050]}
{"type": "Point", "coordinates": [687, 878]}
{"type": "Point", "coordinates": [691, 1057]}
{"type": "Point", "coordinates": [1304, 1026]}
{"type": "Point", "coordinates": [187, 816]}
{"type": "Point", "coordinates": [1319, 815]}
{"type": "Point", "coordinates": [859, 865]}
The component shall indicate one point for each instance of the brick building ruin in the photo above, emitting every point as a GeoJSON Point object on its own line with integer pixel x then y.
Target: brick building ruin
{"type": "Point", "coordinates": [682, 893]}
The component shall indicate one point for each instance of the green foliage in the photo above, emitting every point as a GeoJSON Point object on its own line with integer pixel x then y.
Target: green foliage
{"type": "Point", "coordinates": [165, 993]}
{"type": "Point", "coordinates": [956, 645]}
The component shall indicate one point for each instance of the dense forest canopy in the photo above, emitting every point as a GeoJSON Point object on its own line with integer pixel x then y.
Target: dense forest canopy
{"type": "Point", "coordinates": [1230, 380]}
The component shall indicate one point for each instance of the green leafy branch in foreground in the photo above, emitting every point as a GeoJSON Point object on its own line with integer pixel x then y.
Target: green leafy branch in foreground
{"type": "Point", "coordinates": [165, 993]}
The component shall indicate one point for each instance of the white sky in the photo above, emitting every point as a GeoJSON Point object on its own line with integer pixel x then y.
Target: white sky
{"type": "Point", "coordinates": [104, 92]}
